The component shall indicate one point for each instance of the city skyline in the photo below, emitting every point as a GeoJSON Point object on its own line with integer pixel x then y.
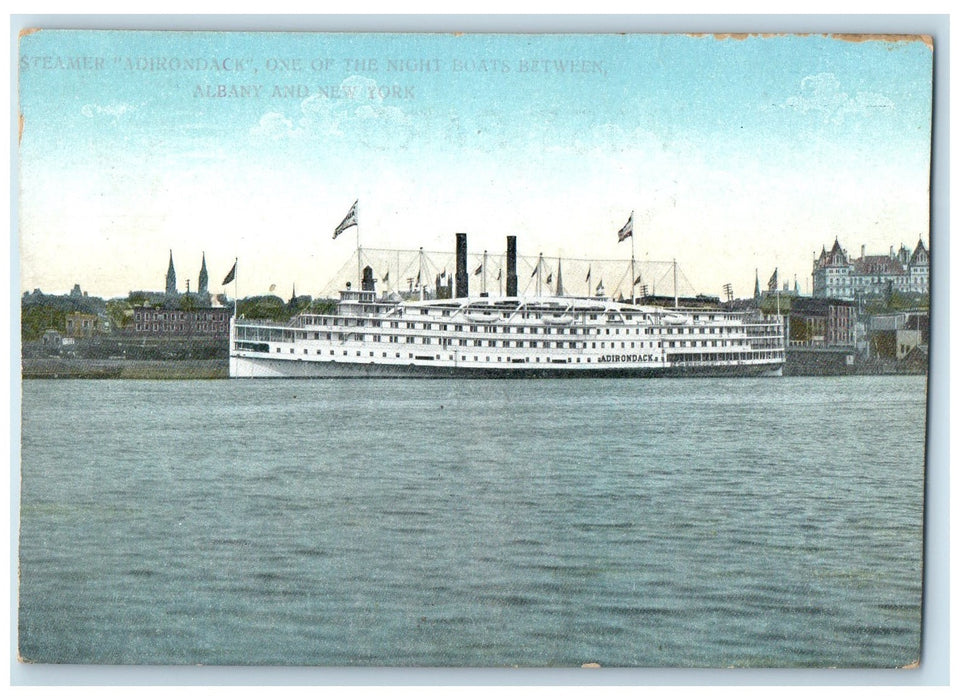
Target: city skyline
{"type": "Point", "coordinates": [493, 280]}
{"type": "Point", "coordinates": [736, 155]}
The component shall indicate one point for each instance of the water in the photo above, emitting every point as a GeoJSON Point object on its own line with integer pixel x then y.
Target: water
{"type": "Point", "coordinates": [769, 522]}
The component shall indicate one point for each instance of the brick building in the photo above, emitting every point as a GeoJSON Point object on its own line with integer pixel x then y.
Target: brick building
{"type": "Point", "coordinates": [173, 314]}
{"type": "Point", "coordinates": [822, 322]}
{"type": "Point", "coordinates": [209, 321]}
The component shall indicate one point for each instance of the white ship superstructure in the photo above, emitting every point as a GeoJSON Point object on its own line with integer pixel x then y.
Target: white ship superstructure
{"type": "Point", "coordinates": [371, 335]}
{"type": "Point", "coordinates": [549, 336]}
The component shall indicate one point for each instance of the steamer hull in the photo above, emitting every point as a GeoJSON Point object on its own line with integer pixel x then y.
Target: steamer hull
{"type": "Point", "coordinates": [268, 368]}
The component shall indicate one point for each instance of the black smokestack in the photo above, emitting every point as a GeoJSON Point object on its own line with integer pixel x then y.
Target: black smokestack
{"type": "Point", "coordinates": [461, 277]}
{"type": "Point", "coordinates": [511, 266]}
{"type": "Point", "coordinates": [366, 284]}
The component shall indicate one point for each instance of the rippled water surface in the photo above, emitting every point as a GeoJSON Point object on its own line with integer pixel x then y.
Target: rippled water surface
{"type": "Point", "coordinates": [769, 522]}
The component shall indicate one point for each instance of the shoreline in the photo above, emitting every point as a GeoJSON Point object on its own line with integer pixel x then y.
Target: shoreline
{"type": "Point", "coordinates": [62, 368]}
{"type": "Point", "coordinates": [75, 368]}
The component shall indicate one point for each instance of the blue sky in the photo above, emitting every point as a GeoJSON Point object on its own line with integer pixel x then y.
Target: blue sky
{"type": "Point", "coordinates": [736, 154]}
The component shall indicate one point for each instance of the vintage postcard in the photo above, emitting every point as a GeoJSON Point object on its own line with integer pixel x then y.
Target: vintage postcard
{"type": "Point", "coordinates": [610, 349]}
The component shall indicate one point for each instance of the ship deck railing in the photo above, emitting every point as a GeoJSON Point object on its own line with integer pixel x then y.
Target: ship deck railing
{"type": "Point", "coordinates": [261, 322]}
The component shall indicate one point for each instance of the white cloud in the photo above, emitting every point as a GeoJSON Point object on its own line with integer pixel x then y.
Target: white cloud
{"type": "Point", "coordinates": [357, 108]}
{"type": "Point", "coordinates": [822, 93]}
{"type": "Point", "coordinates": [274, 125]}
{"type": "Point", "coordinates": [361, 89]}
{"type": "Point", "coordinates": [389, 114]}
{"type": "Point", "coordinates": [872, 100]}
{"type": "Point", "coordinates": [113, 109]}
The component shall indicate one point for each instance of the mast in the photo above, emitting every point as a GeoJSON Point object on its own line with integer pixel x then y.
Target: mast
{"type": "Point", "coordinates": [420, 274]}
{"type": "Point", "coordinates": [359, 261]}
{"type": "Point", "coordinates": [483, 273]}
{"type": "Point", "coordinates": [633, 272]}
{"type": "Point", "coordinates": [540, 276]}
{"type": "Point", "coordinates": [235, 261]}
{"type": "Point", "coordinates": [676, 300]}
{"type": "Point", "coordinates": [783, 338]}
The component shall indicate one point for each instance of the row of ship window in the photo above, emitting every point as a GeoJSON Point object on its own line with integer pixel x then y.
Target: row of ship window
{"type": "Point", "coordinates": [528, 315]}
{"type": "Point", "coordinates": [463, 358]}
{"type": "Point", "coordinates": [286, 335]}
{"type": "Point", "coordinates": [755, 334]}
{"type": "Point", "coordinates": [687, 357]}
{"type": "Point", "coordinates": [613, 317]}
{"type": "Point", "coordinates": [454, 342]}
{"type": "Point", "coordinates": [496, 328]}
{"type": "Point", "coordinates": [556, 344]}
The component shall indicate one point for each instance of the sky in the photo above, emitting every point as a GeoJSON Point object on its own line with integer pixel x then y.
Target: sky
{"type": "Point", "coordinates": [737, 156]}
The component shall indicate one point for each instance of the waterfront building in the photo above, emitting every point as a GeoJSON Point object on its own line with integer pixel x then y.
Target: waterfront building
{"type": "Point", "coordinates": [838, 275]}
{"type": "Point", "coordinates": [907, 342]}
{"type": "Point", "coordinates": [822, 322]}
{"type": "Point", "coordinates": [895, 335]}
{"type": "Point", "coordinates": [896, 344]}
{"type": "Point", "coordinates": [51, 339]}
{"type": "Point", "coordinates": [80, 325]}
{"type": "Point", "coordinates": [208, 321]}
{"type": "Point", "coordinates": [179, 315]}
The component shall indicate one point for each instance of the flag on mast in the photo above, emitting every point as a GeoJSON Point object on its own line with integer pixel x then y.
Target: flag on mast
{"type": "Point", "coordinates": [772, 284]}
{"type": "Point", "coordinates": [349, 220]}
{"type": "Point", "coordinates": [627, 230]}
{"type": "Point", "coordinates": [479, 269]}
{"type": "Point", "coordinates": [230, 275]}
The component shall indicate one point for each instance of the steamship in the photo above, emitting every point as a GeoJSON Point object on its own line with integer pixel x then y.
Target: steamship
{"type": "Point", "coordinates": [511, 336]}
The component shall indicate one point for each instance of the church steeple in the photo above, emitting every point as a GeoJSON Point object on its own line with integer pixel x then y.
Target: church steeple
{"type": "Point", "coordinates": [756, 286]}
{"type": "Point", "coordinates": [202, 280]}
{"type": "Point", "coordinates": [171, 277]}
